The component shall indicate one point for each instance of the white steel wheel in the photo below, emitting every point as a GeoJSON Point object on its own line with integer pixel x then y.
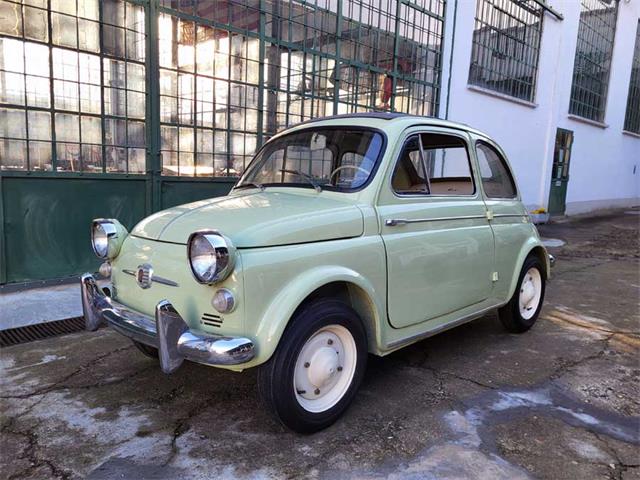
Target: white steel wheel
{"type": "Point", "coordinates": [530, 293]}
{"type": "Point", "coordinates": [325, 368]}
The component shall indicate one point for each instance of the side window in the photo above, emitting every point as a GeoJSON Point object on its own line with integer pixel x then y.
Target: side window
{"type": "Point", "coordinates": [496, 178]}
{"type": "Point", "coordinates": [446, 160]}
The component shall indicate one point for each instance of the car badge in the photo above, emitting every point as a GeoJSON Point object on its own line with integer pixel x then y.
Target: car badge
{"type": "Point", "coordinates": [144, 276]}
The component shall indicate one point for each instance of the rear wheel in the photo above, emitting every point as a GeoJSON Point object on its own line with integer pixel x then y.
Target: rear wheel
{"type": "Point", "coordinates": [523, 309]}
{"type": "Point", "coordinates": [151, 352]}
{"type": "Point", "coordinates": [314, 374]}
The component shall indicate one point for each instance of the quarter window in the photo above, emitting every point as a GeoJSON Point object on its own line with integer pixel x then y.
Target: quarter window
{"type": "Point", "coordinates": [445, 160]}
{"type": "Point", "coordinates": [496, 178]}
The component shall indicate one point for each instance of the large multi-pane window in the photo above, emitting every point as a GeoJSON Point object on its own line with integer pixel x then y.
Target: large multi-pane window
{"type": "Point", "coordinates": [592, 63]}
{"type": "Point", "coordinates": [506, 47]}
{"type": "Point", "coordinates": [632, 116]}
{"type": "Point", "coordinates": [229, 74]}
{"type": "Point", "coordinates": [72, 94]}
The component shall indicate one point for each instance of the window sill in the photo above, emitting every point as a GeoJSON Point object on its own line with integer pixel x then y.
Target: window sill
{"type": "Point", "coordinates": [631, 134]}
{"type": "Point", "coordinates": [509, 98]}
{"type": "Point", "coordinates": [588, 121]}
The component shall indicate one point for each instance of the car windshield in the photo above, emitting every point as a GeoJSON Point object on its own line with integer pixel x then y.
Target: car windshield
{"type": "Point", "coordinates": [336, 159]}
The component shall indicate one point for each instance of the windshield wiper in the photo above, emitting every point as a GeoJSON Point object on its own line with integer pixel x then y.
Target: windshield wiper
{"type": "Point", "coordinates": [310, 178]}
{"type": "Point", "coordinates": [250, 184]}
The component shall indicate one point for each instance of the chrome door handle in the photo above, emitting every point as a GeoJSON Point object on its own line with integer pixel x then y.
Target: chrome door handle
{"type": "Point", "coordinates": [394, 222]}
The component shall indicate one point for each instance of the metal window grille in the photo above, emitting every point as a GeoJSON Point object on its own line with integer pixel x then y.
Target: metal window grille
{"type": "Point", "coordinates": [191, 88]}
{"type": "Point", "coordinates": [506, 47]}
{"type": "Point", "coordinates": [632, 116]}
{"type": "Point", "coordinates": [592, 63]}
{"type": "Point", "coordinates": [72, 86]}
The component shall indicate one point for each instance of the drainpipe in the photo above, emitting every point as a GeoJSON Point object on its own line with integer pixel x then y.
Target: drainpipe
{"type": "Point", "coordinates": [453, 42]}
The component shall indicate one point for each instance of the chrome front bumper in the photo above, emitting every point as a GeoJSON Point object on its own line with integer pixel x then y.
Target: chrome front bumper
{"type": "Point", "coordinates": [167, 332]}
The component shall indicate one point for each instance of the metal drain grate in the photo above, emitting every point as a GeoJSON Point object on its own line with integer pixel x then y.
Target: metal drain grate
{"type": "Point", "coordinates": [29, 333]}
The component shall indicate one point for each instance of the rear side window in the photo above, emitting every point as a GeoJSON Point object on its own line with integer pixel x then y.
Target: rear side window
{"type": "Point", "coordinates": [496, 178]}
{"type": "Point", "coordinates": [433, 164]}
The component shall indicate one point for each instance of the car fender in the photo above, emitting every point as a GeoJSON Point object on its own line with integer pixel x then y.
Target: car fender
{"type": "Point", "coordinates": [280, 310]}
{"type": "Point", "coordinates": [525, 250]}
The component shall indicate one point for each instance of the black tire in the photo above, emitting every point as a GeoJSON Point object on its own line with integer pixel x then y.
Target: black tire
{"type": "Point", "coordinates": [510, 314]}
{"type": "Point", "coordinates": [276, 377]}
{"type": "Point", "coordinates": [150, 352]}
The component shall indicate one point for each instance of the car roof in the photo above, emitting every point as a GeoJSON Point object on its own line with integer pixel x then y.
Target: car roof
{"type": "Point", "coordinates": [385, 120]}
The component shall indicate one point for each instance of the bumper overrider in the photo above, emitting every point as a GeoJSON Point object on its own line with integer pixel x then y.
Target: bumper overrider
{"type": "Point", "coordinates": [167, 332]}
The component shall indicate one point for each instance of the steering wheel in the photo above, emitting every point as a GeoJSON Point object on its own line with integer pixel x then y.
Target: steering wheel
{"type": "Point", "coordinates": [353, 167]}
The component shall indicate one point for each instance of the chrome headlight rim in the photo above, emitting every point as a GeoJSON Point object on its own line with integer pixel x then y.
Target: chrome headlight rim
{"type": "Point", "coordinates": [225, 256]}
{"type": "Point", "coordinates": [110, 229]}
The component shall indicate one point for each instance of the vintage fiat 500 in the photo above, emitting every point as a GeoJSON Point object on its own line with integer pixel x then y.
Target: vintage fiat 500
{"type": "Point", "coordinates": [345, 236]}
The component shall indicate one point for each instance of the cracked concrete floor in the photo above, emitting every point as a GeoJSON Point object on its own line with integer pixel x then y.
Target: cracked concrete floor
{"type": "Point", "coordinates": [561, 401]}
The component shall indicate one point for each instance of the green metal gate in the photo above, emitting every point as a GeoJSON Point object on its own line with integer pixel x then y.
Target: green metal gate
{"type": "Point", "coordinates": [560, 171]}
{"type": "Point", "coordinates": [118, 108]}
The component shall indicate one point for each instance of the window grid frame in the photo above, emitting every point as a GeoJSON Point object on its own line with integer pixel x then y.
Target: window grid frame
{"type": "Point", "coordinates": [584, 101]}
{"type": "Point", "coordinates": [632, 112]}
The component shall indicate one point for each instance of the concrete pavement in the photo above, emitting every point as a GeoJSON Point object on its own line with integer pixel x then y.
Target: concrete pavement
{"type": "Point", "coordinates": [561, 401]}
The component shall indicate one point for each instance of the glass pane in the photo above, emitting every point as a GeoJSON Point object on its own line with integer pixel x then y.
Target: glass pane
{"type": "Point", "coordinates": [38, 92]}
{"type": "Point", "coordinates": [113, 12]}
{"type": "Point", "coordinates": [13, 154]}
{"type": "Point", "coordinates": [64, 6]}
{"type": "Point", "coordinates": [66, 95]}
{"type": "Point", "coordinates": [135, 104]}
{"type": "Point", "coordinates": [169, 138]}
{"type": "Point", "coordinates": [65, 64]}
{"type": "Point", "coordinates": [12, 123]}
{"type": "Point", "coordinates": [68, 157]}
{"type": "Point", "coordinates": [88, 9]}
{"type": "Point", "coordinates": [88, 35]}
{"type": "Point", "coordinates": [137, 160]}
{"type": "Point", "coordinates": [12, 88]}
{"type": "Point", "coordinates": [91, 129]}
{"type": "Point", "coordinates": [89, 69]}
{"type": "Point", "coordinates": [116, 159]}
{"type": "Point", "coordinates": [115, 101]}
{"type": "Point", "coordinates": [90, 98]}
{"type": "Point", "coordinates": [13, 60]}
{"type": "Point", "coordinates": [10, 19]}
{"type": "Point", "coordinates": [136, 134]}
{"type": "Point", "coordinates": [36, 24]}
{"type": "Point", "coordinates": [113, 40]}
{"type": "Point", "coordinates": [39, 125]}
{"type": "Point", "coordinates": [37, 59]}
{"type": "Point", "coordinates": [92, 158]}
{"type": "Point", "coordinates": [63, 30]}
{"type": "Point", "coordinates": [40, 156]}
{"type": "Point", "coordinates": [67, 127]}
{"type": "Point", "coordinates": [115, 131]}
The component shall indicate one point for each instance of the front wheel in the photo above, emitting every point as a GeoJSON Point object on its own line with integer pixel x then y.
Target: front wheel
{"type": "Point", "coordinates": [314, 374]}
{"type": "Point", "coordinates": [523, 309]}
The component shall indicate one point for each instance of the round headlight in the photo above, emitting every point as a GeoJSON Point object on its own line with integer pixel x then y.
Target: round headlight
{"type": "Point", "coordinates": [211, 256]}
{"type": "Point", "coordinates": [107, 237]}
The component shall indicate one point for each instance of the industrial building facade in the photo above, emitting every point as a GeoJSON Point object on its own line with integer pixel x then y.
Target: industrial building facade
{"type": "Point", "coordinates": [121, 108]}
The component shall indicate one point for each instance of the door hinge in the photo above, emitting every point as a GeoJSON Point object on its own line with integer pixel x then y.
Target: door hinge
{"type": "Point", "coordinates": [489, 215]}
{"type": "Point", "coordinates": [494, 277]}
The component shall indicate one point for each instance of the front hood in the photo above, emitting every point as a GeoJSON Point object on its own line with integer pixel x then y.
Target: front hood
{"type": "Point", "coordinates": [258, 219]}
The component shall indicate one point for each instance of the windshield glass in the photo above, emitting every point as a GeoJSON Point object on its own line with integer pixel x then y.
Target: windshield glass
{"type": "Point", "coordinates": [337, 159]}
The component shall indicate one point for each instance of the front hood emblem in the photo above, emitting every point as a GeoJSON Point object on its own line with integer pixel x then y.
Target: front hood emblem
{"type": "Point", "coordinates": [144, 275]}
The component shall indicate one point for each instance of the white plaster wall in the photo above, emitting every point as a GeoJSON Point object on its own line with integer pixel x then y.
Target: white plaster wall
{"type": "Point", "coordinates": [603, 159]}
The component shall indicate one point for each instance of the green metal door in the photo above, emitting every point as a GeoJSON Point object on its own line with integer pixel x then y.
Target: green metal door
{"type": "Point", "coordinates": [560, 171]}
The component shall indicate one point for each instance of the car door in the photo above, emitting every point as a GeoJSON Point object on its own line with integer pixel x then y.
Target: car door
{"type": "Point", "coordinates": [438, 241]}
{"type": "Point", "coordinates": [510, 221]}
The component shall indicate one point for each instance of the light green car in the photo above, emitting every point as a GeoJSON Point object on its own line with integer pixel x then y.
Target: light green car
{"type": "Point", "coordinates": [346, 235]}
